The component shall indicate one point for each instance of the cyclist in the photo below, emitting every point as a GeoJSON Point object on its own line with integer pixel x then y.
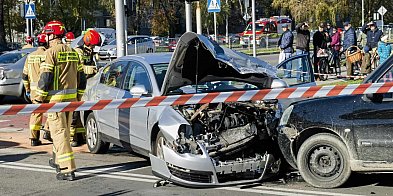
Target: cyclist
{"type": "Point", "coordinates": [321, 39]}
{"type": "Point", "coordinates": [373, 37]}
{"type": "Point", "coordinates": [349, 40]}
{"type": "Point", "coordinates": [335, 46]}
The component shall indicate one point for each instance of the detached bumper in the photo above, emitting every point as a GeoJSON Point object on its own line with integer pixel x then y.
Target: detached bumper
{"type": "Point", "coordinates": [200, 171]}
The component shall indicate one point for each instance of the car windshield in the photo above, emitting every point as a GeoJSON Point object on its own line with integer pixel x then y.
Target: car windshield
{"type": "Point", "coordinates": [11, 57]}
{"type": "Point", "coordinates": [215, 86]}
{"type": "Point", "coordinates": [159, 72]}
{"type": "Point", "coordinates": [258, 27]}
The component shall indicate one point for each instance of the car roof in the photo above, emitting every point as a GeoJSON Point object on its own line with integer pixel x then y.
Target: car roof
{"type": "Point", "coordinates": [26, 50]}
{"type": "Point", "coordinates": [151, 58]}
{"type": "Point", "coordinates": [132, 36]}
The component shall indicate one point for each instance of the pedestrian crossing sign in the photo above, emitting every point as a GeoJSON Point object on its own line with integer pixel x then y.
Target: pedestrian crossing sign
{"type": "Point", "coordinates": [30, 11]}
{"type": "Point", "coordinates": [214, 6]}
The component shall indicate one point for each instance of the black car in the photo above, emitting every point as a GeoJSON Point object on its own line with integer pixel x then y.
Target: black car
{"type": "Point", "coordinates": [328, 138]}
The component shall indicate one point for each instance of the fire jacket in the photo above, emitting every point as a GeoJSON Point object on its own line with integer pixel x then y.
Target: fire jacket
{"type": "Point", "coordinates": [61, 76]}
{"type": "Point", "coordinates": [86, 57]}
{"type": "Point", "coordinates": [31, 71]}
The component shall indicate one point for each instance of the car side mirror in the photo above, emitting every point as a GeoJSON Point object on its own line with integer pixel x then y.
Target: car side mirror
{"type": "Point", "coordinates": [138, 90]}
{"type": "Point", "coordinates": [375, 97]}
{"type": "Point", "coordinates": [278, 83]}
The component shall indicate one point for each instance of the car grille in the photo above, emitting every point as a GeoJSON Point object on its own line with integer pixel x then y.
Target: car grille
{"type": "Point", "coordinates": [189, 175]}
{"type": "Point", "coordinates": [249, 175]}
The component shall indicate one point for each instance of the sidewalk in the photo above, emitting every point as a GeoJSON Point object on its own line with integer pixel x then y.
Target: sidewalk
{"type": "Point", "coordinates": [14, 132]}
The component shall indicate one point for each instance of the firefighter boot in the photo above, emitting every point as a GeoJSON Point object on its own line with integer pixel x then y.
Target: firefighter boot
{"type": "Point", "coordinates": [54, 165]}
{"type": "Point", "coordinates": [47, 136]}
{"type": "Point", "coordinates": [35, 142]}
{"type": "Point", "coordinates": [69, 176]}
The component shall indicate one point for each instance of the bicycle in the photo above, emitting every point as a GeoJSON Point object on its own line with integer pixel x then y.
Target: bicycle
{"type": "Point", "coordinates": [374, 59]}
{"type": "Point", "coordinates": [323, 65]}
{"type": "Point", "coordinates": [334, 62]}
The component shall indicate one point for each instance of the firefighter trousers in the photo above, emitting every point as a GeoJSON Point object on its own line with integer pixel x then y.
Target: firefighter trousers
{"type": "Point", "coordinates": [59, 125]}
{"type": "Point", "coordinates": [35, 124]}
{"type": "Point", "coordinates": [77, 131]}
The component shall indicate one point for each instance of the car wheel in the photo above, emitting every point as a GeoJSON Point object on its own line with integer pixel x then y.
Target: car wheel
{"type": "Point", "coordinates": [150, 50]}
{"type": "Point", "coordinates": [93, 136]}
{"type": "Point", "coordinates": [158, 150]}
{"type": "Point", "coordinates": [323, 161]}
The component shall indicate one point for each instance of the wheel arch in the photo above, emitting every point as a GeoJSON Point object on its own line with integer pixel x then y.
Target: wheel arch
{"type": "Point", "coordinates": [153, 136]}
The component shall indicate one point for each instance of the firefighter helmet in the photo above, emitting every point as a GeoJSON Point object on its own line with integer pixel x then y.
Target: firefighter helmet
{"type": "Point", "coordinates": [54, 27]}
{"type": "Point", "coordinates": [29, 40]}
{"type": "Point", "coordinates": [92, 38]}
{"type": "Point", "coordinates": [69, 36]}
{"type": "Point", "coordinates": [42, 38]}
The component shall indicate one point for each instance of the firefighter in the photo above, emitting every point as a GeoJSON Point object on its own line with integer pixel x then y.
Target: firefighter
{"type": "Point", "coordinates": [30, 79]}
{"type": "Point", "coordinates": [86, 55]}
{"type": "Point", "coordinates": [61, 80]}
{"type": "Point", "coordinates": [69, 38]}
{"type": "Point", "coordinates": [29, 43]}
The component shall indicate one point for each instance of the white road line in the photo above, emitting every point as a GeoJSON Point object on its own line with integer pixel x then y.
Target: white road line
{"type": "Point", "coordinates": [303, 191]}
{"type": "Point", "coordinates": [1, 121]}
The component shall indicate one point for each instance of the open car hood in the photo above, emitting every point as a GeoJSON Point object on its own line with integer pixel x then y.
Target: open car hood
{"type": "Point", "coordinates": [197, 59]}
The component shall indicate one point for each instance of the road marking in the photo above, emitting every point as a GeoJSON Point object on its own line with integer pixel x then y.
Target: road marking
{"type": "Point", "coordinates": [121, 175]}
{"type": "Point", "coordinates": [1, 121]}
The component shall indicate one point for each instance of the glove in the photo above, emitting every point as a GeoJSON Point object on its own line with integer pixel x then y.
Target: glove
{"type": "Point", "coordinates": [28, 94]}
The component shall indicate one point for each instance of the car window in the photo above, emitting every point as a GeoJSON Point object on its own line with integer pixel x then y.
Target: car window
{"type": "Point", "coordinates": [11, 57]}
{"type": "Point", "coordinates": [160, 71]}
{"type": "Point", "coordinates": [295, 71]}
{"type": "Point", "coordinates": [137, 75]}
{"type": "Point", "coordinates": [388, 77]}
{"type": "Point", "coordinates": [113, 74]}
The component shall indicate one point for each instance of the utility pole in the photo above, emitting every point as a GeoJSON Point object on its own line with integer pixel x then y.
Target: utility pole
{"type": "Point", "coordinates": [198, 18]}
{"type": "Point", "coordinates": [120, 33]}
{"type": "Point", "coordinates": [226, 27]}
{"type": "Point", "coordinates": [188, 16]}
{"type": "Point", "coordinates": [362, 12]}
{"type": "Point", "coordinates": [254, 49]}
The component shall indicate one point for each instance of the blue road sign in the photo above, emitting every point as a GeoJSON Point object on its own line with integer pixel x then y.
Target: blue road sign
{"type": "Point", "coordinates": [213, 6]}
{"type": "Point", "coordinates": [30, 11]}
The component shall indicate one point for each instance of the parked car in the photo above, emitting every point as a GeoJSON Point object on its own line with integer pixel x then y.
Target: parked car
{"type": "Point", "coordinates": [194, 145]}
{"type": "Point", "coordinates": [135, 44]}
{"type": "Point", "coordinates": [327, 139]}
{"type": "Point", "coordinates": [11, 68]}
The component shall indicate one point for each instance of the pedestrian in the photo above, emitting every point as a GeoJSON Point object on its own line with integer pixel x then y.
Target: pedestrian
{"type": "Point", "coordinates": [373, 37]}
{"type": "Point", "coordinates": [335, 46]}
{"type": "Point", "coordinates": [86, 54]}
{"type": "Point", "coordinates": [61, 79]}
{"type": "Point", "coordinates": [69, 38]}
{"type": "Point", "coordinates": [349, 40]}
{"type": "Point", "coordinates": [320, 41]}
{"type": "Point", "coordinates": [30, 78]}
{"type": "Point", "coordinates": [302, 46]}
{"type": "Point", "coordinates": [329, 29]}
{"type": "Point", "coordinates": [29, 43]}
{"type": "Point", "coordinates": [384, 49]}
{"type": "Point", "coordinates": [285, 44]}
{"type": "Point", "coordinates": [362, 40]}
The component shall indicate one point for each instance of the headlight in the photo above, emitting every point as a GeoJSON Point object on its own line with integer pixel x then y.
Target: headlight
{"type": "Point", "coordinates": [112, 49]}
{"type": "Point", "coordinates": [285, 116]}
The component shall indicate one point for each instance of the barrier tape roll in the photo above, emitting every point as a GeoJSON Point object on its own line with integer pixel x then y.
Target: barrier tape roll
{"type": "Point", "coordinates": [251, 95]}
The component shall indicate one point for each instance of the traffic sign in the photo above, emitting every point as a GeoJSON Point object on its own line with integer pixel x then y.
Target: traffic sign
{"type": "Point", "coordinates": [30, 11]}
{"type": "Point", "coordinates": [214, 6]}
{"type": "Point", "coordinates": [382, 10]}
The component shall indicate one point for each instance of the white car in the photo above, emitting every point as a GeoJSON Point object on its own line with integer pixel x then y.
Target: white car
{"type": "Point", "coordinates": [136, 44]}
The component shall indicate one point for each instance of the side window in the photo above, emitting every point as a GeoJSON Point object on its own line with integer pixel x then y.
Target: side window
{"type": "Point", "coordinates": [113, 74]}
{"type": "Point", "coordinates": [295, 71]}
{"type": "Point", "coordinates": [137, 76]}
{"type": "Point", "coordinates": [387, 77]}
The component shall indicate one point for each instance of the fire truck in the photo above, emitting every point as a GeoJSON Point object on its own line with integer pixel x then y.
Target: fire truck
{"type": "Point", "coordinates": [264, 26]}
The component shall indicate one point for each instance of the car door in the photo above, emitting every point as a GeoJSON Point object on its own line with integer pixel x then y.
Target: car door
{"type": "Point", "coordinates": [107, 89]}
{"type": "Point", "coordinates": [296, 72]}
{"type": "Point", "coordinates": [133, 122]}
{"type": "Point", "coordinates": [373, 124]}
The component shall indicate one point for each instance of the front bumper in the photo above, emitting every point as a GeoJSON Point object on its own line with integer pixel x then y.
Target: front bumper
{"type": "Point", "coordinates": [200, 171]}
{"type": "Point", "coordinates": [11, 87]}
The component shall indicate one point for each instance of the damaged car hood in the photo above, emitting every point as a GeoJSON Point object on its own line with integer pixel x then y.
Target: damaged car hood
{"type": "Point", "coordinates": [198, 59]}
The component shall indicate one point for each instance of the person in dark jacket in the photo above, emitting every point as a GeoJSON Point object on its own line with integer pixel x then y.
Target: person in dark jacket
{"type": "Point", "coordinates": [329, 29]}
{"type": "Point", "coordinates": [285, 43]}
{"type": "Point", "coordinates": [349, 40]}
{"type": "Point", "coordinates": [373, 37]}
{"type": "Point", "coordinates": [320, 41]}
{"type": "Point", "coordinates": [302, 46]}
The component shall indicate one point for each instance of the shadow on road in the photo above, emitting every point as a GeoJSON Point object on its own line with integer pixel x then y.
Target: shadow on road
{"type": "Point", "coordinates": [121, 192]}
{"type": "Point", "coordinates": [7, 144]}
{"type": "Point", "coordinates": [120, 167]}
{"type": "Point", "coordinates": [12, 100]}
{"type": "Point", "coordinates": [357, 180]}
{"type": "Point", "coordinates": [18, 157]}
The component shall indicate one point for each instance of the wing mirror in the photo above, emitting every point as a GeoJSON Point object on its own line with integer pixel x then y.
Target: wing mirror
{"type": "Point", "coordinates": [278, 83]}
{"type": "Point", "coordinates": [138, 90]}
{"type": "Point", "coordinates": [375, 97]}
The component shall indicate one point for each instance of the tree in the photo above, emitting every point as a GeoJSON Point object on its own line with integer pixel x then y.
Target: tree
{"type": "Point", "coordinates": [3, 43]}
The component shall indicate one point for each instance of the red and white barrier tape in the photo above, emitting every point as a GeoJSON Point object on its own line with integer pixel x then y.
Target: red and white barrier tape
{"type": "Point", "coordinates": [254, 95]}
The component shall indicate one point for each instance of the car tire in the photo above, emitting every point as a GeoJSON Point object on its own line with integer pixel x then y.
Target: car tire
{"type": "Point", "coordinates": [158, 144]}
{"type": "Point", "coordinates": [323, 161]}
{"type": "Point", "coordinates": [93, 136]}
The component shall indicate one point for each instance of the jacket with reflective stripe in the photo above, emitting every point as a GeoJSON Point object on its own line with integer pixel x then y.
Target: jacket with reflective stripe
{"type": "Point", "coordinates": [31, 70]}
{"type": "Point", "coordinates": [60, 79]}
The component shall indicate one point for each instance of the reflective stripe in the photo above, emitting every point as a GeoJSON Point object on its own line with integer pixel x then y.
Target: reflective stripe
{"type": "Point", "coordinates": [35, 127]}
{"type": "Point", "coordinates": [65, 157]}
{"type": "Point", "coordinates": [61, 97]}
{"type": "Point", "coordinates": [63, 57]}
{"type": "Point", "coordinates": [80, 130]}
{"type": "Point", "coordinates": [56, 78]}
{"type": "Point", "coordinates": [36, 58]}
{"type": "Point", "coordinates": [80, 67]}
{"type": "Point", "coordinates": [62, 92]}
{"type": "Point", "coordinates": [41, 92]}
{"type": "Point", "coordinates": [81, 92]}
{"type": "Point", "coordinates": [47, 66]}
{"type": "Point", "coordinates": [25, 82]}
